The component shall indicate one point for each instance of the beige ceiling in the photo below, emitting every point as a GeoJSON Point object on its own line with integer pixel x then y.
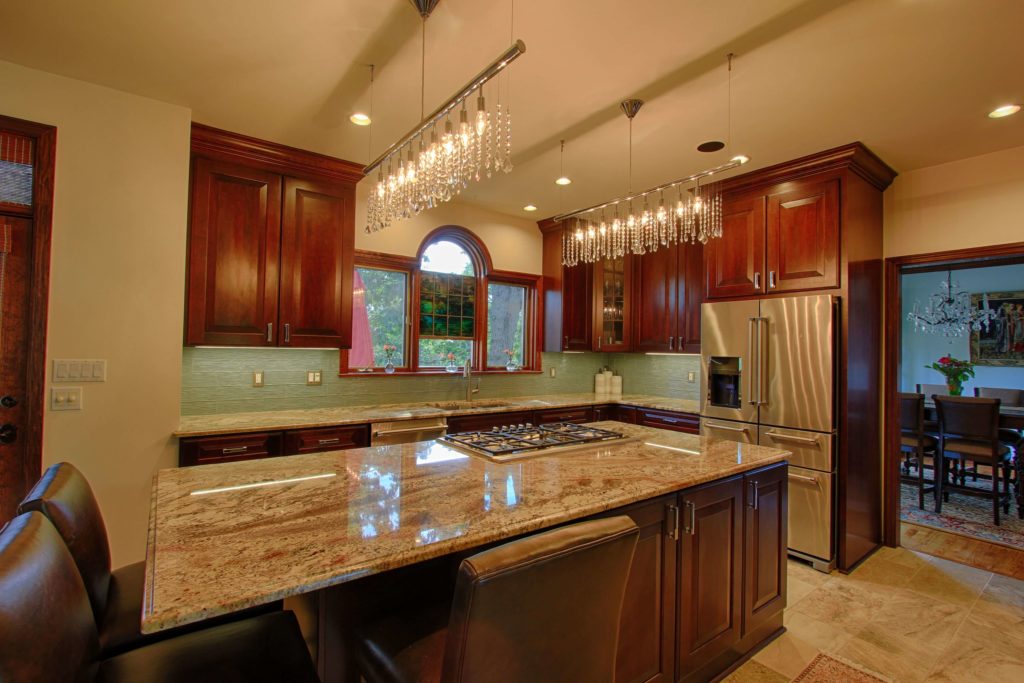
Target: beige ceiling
{"type": "Point", "coordinates": [913, 79]}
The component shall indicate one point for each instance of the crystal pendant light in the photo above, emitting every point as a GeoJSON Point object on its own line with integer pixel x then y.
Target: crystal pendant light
{"type": "Point", "coordinates": [949, 312]}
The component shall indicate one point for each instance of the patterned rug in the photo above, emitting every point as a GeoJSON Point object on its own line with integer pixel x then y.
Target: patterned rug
{"type": "Point", "coordinates": [964, 514]}
{"type": "Point", "coordinates": [831, 669]}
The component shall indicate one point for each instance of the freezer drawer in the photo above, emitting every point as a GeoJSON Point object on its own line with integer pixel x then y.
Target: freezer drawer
{"type": "Point", "coordinates": [812, 450]}
{"type": "Point", "coordinates": [810, 513]}
{"type": "Point", "coordinates": [727, 430]}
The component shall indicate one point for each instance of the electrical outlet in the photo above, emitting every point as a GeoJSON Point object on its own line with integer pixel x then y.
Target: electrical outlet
{"type": "Point", "coordinates": [691, 377]}
{"type": "Point", "coordinates": [65, 398]}
{"type": "Point", "coordinates": [314, 378]}
{"type": "Point", "coordinates": [257, 378]}
{"type": "Point", "coordinates": [552, 371]}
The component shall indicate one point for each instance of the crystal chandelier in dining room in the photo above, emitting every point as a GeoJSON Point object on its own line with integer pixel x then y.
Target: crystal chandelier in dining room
{"type": "Point", "coordinates": [950, 312]}
{"type": "Point", "coordinates": [450, 148]}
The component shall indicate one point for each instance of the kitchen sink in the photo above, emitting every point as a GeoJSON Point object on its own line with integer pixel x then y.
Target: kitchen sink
{"type": "Point", "coordinates": [460, 405]}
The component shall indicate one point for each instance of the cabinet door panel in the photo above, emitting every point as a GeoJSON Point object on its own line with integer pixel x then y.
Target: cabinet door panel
{"type": "Point", "coordinates": [803, 238]}
{"type": "Point", "coordinates": [577, 415]}
{"type": "Point", "coordinates": [234, 239]}
{"type": "Point", "coordinates": [657, 293]}
{"type": "Point", "coordinates": [691, 295]}
{"type": "Point", "coordinates": [735, 261]}
{"type": "Point", "coordinates": [317, 236]}
{"type": "Point", "coordinates": [709, 596]}
{"type": "Point", "coordinates": [577, 307]}
{"type": "Point", "coordinates": [326, 439]}
{"type": "Point", "coordinates": [664, 419]}
{"type": "Point", "coordinates": [612, 290]}
{"type": "Point", "coordinates": [231, 448]}
{"type": "Point", "coordinates": [764, 557]}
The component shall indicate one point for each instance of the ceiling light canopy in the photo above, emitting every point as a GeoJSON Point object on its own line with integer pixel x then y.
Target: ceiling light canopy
{"type": "Point", "coordinates": [439, 157]}
{"type": "Point", "coordinates": [360, 119]}
{"type": "Point", "coordinates": [1005, 110]}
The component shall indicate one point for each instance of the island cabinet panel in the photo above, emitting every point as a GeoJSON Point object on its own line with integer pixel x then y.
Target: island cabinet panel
{"type": "Point", "coordinates": [765, 541]}
{"type": "Point", "coordinates": [233, 255]}
{"type": "Point", "coordinates": [487, 421]}
{"type": "Point", "coordinates": [213, 449]}
{"type": "Point", "coordinates": [647, 625]}
{"type": "Point", "coordinates": [803, 237]}
{"type": "Point", "coordinates": [710, 589]}
{"type": "Point", "coordinates": [298, 441]}
{"type": "Point", "coordinates": [664, 419]}
{"type": "Point", "coordinates": [577, 415]}
{"type": "Point", "coordinates": [734, 262]}
{"type": "Point", "coordinates": [317, 233]}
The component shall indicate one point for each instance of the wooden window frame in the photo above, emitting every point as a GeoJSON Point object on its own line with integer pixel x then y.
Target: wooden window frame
{"type": "Point", "coordinates": [484, 274]}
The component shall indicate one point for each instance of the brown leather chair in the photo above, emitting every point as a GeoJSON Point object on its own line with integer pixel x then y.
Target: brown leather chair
{"type": "Point", "coordinates": [1007, 397]}
{"type": "Point", "coordinates": [64, 496]}
{"type": "Point", "coordinates": [541, 608]}
{"type": "Point", "coordinates": [915, 444]}
{"type": "Point", "coordinates": [969, 429]}
{"type": "Point", "coordinates": [48, 633]}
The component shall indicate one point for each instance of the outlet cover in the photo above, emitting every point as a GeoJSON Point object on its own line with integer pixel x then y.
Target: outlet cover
{"type": "Point", "coordinates": [691, 377]}
{"type": "Point", "coordinates": [65, 398]}
{"type": "Point", "coordinates": [257, 378]}
{"type": "Point", "coordinates": [314, 378]}
{"type": "Point", "coordinates": [552, 372]}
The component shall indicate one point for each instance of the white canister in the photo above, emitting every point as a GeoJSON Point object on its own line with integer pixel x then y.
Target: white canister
{"type": "Point", "coordinates": [600, 383]}
{"type": "Point", "coordinates": [615, 386]}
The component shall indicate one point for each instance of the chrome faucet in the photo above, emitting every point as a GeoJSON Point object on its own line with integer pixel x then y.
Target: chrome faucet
{"type": "Point", "coordinates": [467, 373]}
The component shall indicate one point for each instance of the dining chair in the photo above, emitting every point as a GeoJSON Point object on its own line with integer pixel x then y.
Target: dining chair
{"type": "Point", "coordinates": [1007, 397]}
{"type": "Point", "coordinates": [929, 390]}
{"type": "Point", "coordinates": [915, 444]}
{"type": "Point", "coordinates": [543, 608]}
{"type": "Point", "coordinates": [969, 428]}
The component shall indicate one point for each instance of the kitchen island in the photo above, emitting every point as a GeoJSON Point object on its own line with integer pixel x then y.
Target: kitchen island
{"type": "Point", "coordinates": [712, 516]}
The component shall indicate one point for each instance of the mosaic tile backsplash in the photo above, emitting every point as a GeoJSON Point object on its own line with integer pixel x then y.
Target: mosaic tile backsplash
{"type": "Point", "coordinates": [220, 380]}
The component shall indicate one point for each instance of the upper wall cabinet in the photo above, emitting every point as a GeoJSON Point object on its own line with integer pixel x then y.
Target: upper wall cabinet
{"type": "Point", "coordinates": [667, 293]}
{"type": "Point", "coordinates": [270, 244]}
{"type": "Point", "coordinates": [611, 299]}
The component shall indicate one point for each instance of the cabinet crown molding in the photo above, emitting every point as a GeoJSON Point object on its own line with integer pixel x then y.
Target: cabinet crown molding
{"type": "Point", "coordinates": [208, 141]}
{"type": "Point", "coordinates": [854, 156]}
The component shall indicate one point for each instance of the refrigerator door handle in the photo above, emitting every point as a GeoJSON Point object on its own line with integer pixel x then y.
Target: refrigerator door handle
{"type": "Point", "coordinates": [762, 362]}
{"type": "Point", "coordinates": [753, 342]}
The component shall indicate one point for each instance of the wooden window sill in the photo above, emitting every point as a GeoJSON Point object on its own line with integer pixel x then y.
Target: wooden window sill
{"type": "Point", "coordinates": [435, 373]}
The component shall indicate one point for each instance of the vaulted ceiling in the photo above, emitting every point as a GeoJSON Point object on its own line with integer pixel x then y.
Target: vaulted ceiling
{"type": "Point", "coordinates": [913, 79]}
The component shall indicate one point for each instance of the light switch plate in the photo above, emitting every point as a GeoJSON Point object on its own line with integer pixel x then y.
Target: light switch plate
{"type": "Point", "coordinates": [314, 378]}
{"type": "Point", "coordinates": [257, 378]}
{"type": "Point", "coordinates": [79, 370]}
{"type": "Point", "coordinates": [552, 372]}
{"type": "Point", "coordinates": [691, 377]}
{"type": "Point", "coordinates": [65, 398]}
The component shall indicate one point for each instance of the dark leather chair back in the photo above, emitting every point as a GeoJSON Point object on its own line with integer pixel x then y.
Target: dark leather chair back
{"type": "Point", "coordinates": [543, 608]}
{"type": "Point", "coordinates": [1007, 397]}
{"type": "Point", "coordinates": [65, 497]}
{"type": "Point", "coordinates": [47, 631]}
{"type": "Point", "coordinates": [932, 389]}
{"type": "Point", "coordinates": [912, 413]}
{"type": "Point", "coordinates": [975, 419]}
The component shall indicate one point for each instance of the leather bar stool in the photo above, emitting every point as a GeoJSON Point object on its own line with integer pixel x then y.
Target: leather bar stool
{"type": "Point", "coordinates": [914, 442]}
{"type": "Point", "coordinates": [48, 633]}
{"type": "Point", "coordinates": [969, 428]}
{"type": "Point", "coordinates": [541, 608]}
{"type": "Point", "coordinates": [64, 496]}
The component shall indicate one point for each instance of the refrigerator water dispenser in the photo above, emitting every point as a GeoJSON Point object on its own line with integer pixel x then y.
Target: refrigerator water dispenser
{"type": "Point", "coordinates": [724, 381]}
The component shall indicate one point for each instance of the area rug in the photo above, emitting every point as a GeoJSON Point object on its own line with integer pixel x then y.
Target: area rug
{"type": "Point", "coordinates": [963, 514]}
{"type": "Point", "coordinates": [831, 669]}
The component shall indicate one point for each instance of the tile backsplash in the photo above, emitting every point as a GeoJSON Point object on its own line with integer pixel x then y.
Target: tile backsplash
{"type": "Point", "coordinates": [216, 380]}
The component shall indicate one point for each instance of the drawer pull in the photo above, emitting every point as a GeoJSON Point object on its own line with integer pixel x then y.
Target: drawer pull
{"type": "Point", "coordinates": [691, 518]}
{"type": "Point", "coordinates": [712, 425]}
{"type": "Point", "coordinates": [795, 439]}
{"type": "Point", "coordinates": [808, 480]}
{"type": "Point", "coordinates": [235, 450]}
{"type": "Point", "coordinates": [672, 529]}
{"type": "Point", "coordinates": [324, 442]}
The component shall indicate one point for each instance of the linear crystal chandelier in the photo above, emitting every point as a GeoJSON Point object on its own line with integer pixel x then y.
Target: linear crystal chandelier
{"type": "Point", "coordinates": [950, 312]}
{"type": "Point", "coordinates": [447, 150]}
{"type": "Point", "coordinates": [645, 221]}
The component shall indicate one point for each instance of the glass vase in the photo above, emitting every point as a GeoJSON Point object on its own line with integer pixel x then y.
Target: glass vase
{"type": "Point", "coordinates": [451, 366]}
{"type": "Point", "coordinates": [511, 365]}
{"type": "Point", "coordinates": [389, 367]}
{"type": "Point", "coordinates": [955, 387]}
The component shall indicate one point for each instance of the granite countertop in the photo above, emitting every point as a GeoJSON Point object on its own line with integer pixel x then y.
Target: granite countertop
{"type": "Point", "coordinates": [229, 536]}
{"type": "Point", "coordinates": [236, 423]}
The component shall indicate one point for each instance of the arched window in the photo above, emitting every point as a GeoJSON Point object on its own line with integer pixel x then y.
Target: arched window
{"type": "Point", "coordinates": [442, 310]}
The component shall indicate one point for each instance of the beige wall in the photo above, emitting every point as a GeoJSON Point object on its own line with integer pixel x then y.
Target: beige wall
{"type": "Point", "coordinates": [116, 283]}
{"type": "Point", "coordinates": [514, 243]}
{"type": "Point", "coordinates": [967, 203]}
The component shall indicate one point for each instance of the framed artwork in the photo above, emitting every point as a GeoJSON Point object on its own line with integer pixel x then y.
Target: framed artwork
{"type": "Point", "coordinates": [1002, 344]}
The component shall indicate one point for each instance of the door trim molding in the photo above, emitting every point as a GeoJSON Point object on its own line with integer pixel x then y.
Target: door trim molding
{"type": "Point", "coordinates": [893, 334]}
{"type": "Point", "coordinates": [42, 227]}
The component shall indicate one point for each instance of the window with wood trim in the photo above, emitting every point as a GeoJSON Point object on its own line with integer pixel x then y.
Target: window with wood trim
{"type": "Point", "coordinates": [445, 307]}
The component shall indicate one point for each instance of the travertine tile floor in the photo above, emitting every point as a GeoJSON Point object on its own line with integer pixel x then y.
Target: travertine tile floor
{"type": "Point", "coordinates": [906, 615]}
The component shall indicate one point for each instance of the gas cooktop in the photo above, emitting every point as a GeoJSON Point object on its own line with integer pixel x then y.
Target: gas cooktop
{"type": "Point", "coordinates": [512, 441]}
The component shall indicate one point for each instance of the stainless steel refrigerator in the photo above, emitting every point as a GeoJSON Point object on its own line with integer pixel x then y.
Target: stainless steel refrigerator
{"type": "Point", "coordinates": [769, 377]}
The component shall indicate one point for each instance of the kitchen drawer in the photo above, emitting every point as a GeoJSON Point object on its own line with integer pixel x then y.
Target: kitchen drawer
{"type": "Point", "coordinates": [577, 415]}
{"type": "Point", "coordinates": [663, 419]}
{"type": "Point", "coordinates": [326, 439]}
{"type": "Point", "coordinates": [482, 423]}
{"type": "Point", "coordinates": [212, 449]}
{"type": "Point", "coordinates": [627, 414]}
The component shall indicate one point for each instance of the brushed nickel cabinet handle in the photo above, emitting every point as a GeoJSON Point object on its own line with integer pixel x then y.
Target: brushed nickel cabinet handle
{"type": "Point", "coordinates": [771, 279]}
{"type": "Point", "coordinates": [324, 442]}
{"type": "Point", "coordinates": [270, 332]}
{"type": "Point", "coordinates": [234, 451]}
{"type": "Point", "coordinates": [599, 340]}
{"type": "Point", "coordinates": [757, 280]}
{"type": "Point", "coordinates": [672, 528]}
{"type": "Point", "coordinates": [287, 333]}
{"type": "Point", "coordinates": [565, 342]}
{"type": "Point", "coordinates": [671, 343]}
{"type": "Point", "coordinates": [754, 495]}
{"type": "Point", "coordinates": [809, 480]}
{"type": "Point", "coordinates": [691, 524]}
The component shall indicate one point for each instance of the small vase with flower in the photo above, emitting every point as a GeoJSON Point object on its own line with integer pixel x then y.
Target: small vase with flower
{"type": "Point", "coordinates": [955, 371]}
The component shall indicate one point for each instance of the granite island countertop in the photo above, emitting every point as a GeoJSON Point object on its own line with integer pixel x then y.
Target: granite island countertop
{"type": "Point", "coordinates": [237, 423]}
{"type": "Point", "coordinates": [229, 536]}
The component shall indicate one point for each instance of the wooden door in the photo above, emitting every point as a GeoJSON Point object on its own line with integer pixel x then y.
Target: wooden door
{"type": "Point", "coordinates": [577, 307]}
{"type": "Point", "coordinates": [657, 300]}
{"type": "Point", "coordinates": [612, 304]}
{"type": "Point", "coordinates": [735, 262]}
{"type": "Point", "coordinates": [647, 625]}
{"type": "Point", "coordinates": [765, 540]}
{"type": "Point", "coordinates": [710, 567]}
{"type": "Point", "coordinates": [690, 282]}
{"type": "Point", "coordinates": [803, 237]}
{"type": "Point", "coordinates": [317, 258]}
{"type": "Point", "coordinates": [234, 243]}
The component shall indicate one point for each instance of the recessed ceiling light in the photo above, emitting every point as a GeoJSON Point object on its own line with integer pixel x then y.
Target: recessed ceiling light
{"type": "Point", "coordinates": [1005, 110]}
{"type": "Point", "coordinates": [563, 180]}
{"type": "Point", "coordinates": [529, 207]}
{"type": "Point", "coordinates": [710, 146]}
{"type": "Point", "coordinates": [740, 158]}
{"type": "Point", "coordinates": [360, 119]}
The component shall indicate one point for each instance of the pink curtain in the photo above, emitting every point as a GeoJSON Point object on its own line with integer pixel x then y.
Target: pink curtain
{"type": "Point", "coordinates": [361, 354]}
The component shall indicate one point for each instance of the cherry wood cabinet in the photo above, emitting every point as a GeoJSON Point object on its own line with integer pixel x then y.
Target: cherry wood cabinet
{"type": "Point", "coordinates": [666, 419]}
{"type": "Point", "coordinates": [298, 441]}
{"type": "Point", "coordinates": [803, 237]}
{"type": "Point", "coordinates": [205, 450]}
{"type": "Point", "coordinates": [765, 540]}
{"type": "Point", "coordinates": [667, 294]}
{"type": "Point", "coordinates": [577, 415]}
{"type": "Point", "coordinates": [577, 307]}
{"type": "Point", "coordinates": [271, 238]}
{"type": "Point", "coordinates": [611, 300]}
{"type": "Point", "coordinates": [734, 263]}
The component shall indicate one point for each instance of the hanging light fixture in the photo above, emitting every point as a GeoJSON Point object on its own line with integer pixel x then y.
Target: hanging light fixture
{"type": "Point", "coordinates": [562, 179]}
{"type": "Point", "coordinates": [439, 157]}
{"type": "Point", "coordinates": [359, 117]}
{"type": "Point", "coordinates": [645, 221]}
{"type": "Point", "coordinates": [950, 313]}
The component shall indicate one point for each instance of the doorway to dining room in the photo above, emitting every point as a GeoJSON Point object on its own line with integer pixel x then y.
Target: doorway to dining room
{"type": "Point", "coordinates": [954, 343]}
